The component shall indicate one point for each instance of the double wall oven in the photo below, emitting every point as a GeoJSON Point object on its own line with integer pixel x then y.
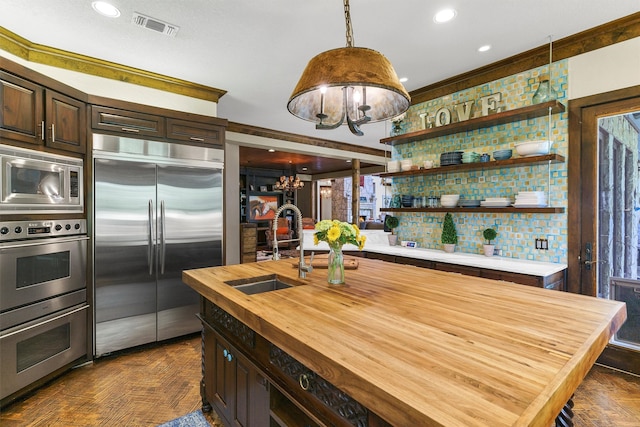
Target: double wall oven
{"type": "Point", "coordinates": [43, 300]}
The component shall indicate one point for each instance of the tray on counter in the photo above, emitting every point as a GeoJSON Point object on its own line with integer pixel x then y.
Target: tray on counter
{"type": "Point", "coordinates": [321, 261]}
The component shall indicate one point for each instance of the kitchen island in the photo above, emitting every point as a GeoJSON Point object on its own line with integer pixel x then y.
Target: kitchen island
{"type": "Point", "coordinates": [412, 346]}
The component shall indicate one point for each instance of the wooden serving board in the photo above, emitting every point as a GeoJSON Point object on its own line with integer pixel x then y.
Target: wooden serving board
{"type": "Point", "coordinates": [322, 261]}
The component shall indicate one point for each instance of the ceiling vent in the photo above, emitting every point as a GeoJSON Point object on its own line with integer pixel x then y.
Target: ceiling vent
{"type": "Point", "coordinates": [154, 24]}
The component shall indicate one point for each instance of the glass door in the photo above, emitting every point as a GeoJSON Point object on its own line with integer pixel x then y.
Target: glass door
{"type": "Point", "coordinates": [604, 209]}
{"type": "Point", "coordinates": [618, 237]}
{"type": "Point", "coordinates": [618, 242]}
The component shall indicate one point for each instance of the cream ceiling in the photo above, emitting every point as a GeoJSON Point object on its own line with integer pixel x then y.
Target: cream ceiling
{"type": "Point", "coordinates": [257, 49]}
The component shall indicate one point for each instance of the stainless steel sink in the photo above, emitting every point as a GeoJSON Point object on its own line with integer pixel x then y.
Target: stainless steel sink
{"type": "Point", "coordinates": [258, 285]}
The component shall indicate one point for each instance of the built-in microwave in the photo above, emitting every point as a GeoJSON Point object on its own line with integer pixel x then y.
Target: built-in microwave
{"type": "Point", "coordinates": [37, 182]}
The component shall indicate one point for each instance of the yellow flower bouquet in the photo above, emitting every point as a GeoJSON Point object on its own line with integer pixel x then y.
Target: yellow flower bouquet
{"type": "Point", "coordinates": [336, 234]}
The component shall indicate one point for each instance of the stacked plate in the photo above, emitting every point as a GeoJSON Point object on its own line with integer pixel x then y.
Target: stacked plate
{"type": "Point", "coordinates": [466, 203]}
{"type": "Point", "coordinates": [496, 202]}
{"type": "Point", "coordinates": [470, 157]}
{"type": "Point", "coordinates": [530, 199]}
{"type": "Point", "coordinates": [502, 154]}
{"type": "Point", "coordinates": [449, 200]}
{"type": "Point", "coordinates": [451, 158]}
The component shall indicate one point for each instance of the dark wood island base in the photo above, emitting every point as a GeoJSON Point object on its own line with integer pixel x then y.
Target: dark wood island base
{"type": "Point", "coordinates": [285, 387]}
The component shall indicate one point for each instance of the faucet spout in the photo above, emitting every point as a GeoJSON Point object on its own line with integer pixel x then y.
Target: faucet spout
{"type": "Point", "coordinates": [303, 268]}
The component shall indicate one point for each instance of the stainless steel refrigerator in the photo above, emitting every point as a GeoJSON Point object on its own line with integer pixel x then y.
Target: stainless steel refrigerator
{"type": "Point", "coordinates": [157, 212]}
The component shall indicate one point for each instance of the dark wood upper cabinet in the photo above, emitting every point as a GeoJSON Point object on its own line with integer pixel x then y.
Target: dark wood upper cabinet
{"type": "Point", "coordinates": [156, 126]}
{"type": "Point", "coordinates": [22, 109]}
{"type": "Point", "coordinates": [66, 122]}
{"type": "Point", "coordinates": [125, 122]}
{"type": "Point", "coordinates": [195, 132]}
{"type": "Point", "coordinates": [35, 115]}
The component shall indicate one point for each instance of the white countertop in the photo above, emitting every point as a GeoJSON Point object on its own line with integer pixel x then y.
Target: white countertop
{"type": "Point", "coordinates": [377, 242]}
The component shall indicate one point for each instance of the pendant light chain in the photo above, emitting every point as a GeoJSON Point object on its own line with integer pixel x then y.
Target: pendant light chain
{"type": "Point", "coordinates": [347, 18]}
{"type": "Point", "coordinates": [334, 90]}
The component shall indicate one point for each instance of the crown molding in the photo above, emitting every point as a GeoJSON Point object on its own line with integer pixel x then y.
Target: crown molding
{"type": "Point", "coordinates": [33, 52]}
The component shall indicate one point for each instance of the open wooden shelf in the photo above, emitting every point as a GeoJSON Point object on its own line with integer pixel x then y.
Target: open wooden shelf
{"type": "Point", "coordinates": [284, 413]}
{"type": "Point", "coordinates": [509, 209]}
{"type": "Point", "coordinates": [524, 113]}
{"type": "Point", "coordinates": [493, 164]}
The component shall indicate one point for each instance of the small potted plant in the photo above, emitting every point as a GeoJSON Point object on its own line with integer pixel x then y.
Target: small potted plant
{"type": "Point", "coordinates": [489, 234]}
{"type": "Point", "coordinates": [449, 236]}
{"type": "Point", "coordinates": [392, 222]}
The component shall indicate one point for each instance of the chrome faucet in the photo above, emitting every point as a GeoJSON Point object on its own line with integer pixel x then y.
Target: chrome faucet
{"type": "Point", "coordinates": [303, 268]}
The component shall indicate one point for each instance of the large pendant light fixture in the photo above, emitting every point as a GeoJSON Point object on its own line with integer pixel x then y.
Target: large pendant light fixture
{"type": "Point", "coordinates": [352, 84]}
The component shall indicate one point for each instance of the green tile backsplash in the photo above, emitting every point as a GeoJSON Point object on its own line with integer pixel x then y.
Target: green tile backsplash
{"type": "Point", "coordinates": [516, 231]}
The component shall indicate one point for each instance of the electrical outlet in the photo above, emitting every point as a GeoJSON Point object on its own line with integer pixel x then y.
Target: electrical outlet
{"type": "Point", "coordinates": [542, 244]}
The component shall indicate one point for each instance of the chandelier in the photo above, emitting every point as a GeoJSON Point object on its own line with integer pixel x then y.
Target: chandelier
{"type": "Point", "coordinates": [352, 84]}
{"type": "Point", "coordinates": [325, 192]}
{"type": "Point", "coordinates": [288, 184]}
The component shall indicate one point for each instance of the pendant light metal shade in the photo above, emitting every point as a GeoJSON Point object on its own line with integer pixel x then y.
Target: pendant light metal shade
{"type": "Point", "coordinates": [352, 85]}
{"type": "Point", "coordinates": [348, 67]}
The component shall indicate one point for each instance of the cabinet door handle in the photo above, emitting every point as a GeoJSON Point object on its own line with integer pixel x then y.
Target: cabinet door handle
{"type": "Point", "coordinates": [225, 352]}
{"type": "Point", "coordinates": [131, 130]}
{"type": "Point", "coordinates": [53, 132]}
{"type": "Point", "coordinates": [194, 138]}
{"type": "Point", "coordinates": [303, 379]}
{"type": "Point", "coordinates": [42, 130]}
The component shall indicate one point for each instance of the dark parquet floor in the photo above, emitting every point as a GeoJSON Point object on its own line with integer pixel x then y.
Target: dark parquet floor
{"type": "Point", "coordinates": [150, 386]}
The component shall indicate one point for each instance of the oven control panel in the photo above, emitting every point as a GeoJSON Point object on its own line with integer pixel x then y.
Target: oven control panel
{"type": "Point", "coordinates": [25, 230]}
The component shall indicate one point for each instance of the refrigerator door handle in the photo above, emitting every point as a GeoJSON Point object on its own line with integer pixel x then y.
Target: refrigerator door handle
{"type": "Point", "coordinates": [150, 241]}
{"type": "Point", "coordinates": [162, 238]}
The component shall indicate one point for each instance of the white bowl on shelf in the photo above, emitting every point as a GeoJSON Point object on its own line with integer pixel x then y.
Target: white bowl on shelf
{"type": "Point", "coordinates": [406, 164]}
{"type": "Point", "coordinates": [533, 148]}
{"type": "Point", "coordinates": [449, 200]}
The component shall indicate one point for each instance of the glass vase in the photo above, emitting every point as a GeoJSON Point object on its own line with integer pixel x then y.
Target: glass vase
{"type": "Point", "coordinates": [545, 91]}
{"type": "Point", "coordinates": [396, 129]}
{"type": "Point", "coordinates": [335, 267]}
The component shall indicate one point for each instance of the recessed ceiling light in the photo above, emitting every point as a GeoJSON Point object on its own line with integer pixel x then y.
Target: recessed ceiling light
{"type": "Point", "coordinates": [445, 15]}
{"type": "Point", "coordinates": [304, 169]}
{"type": "Point", "coordinates": [349, 161]}
{"type": "Point", "coordinates": [105, 9]}
{"type": "Point", "coordinates": [403, 79]}
{"type": "Point", "coordinates": [484, 48]}
{"type": "Point", "coordinates": [272, 150]}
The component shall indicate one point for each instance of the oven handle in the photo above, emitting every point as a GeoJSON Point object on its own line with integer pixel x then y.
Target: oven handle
{"type": "Point", "coordinates": [150, 243]}
{"type": "Point", "coordinates": [44, 322]}
{"type": "Point", "coordinates": [24, 244]}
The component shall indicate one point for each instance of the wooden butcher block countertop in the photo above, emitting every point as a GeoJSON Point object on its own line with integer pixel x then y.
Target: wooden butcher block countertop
{"type": "Point", "coordinates": [421, 347]}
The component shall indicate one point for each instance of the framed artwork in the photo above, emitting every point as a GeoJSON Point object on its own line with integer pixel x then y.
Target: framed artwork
{"type": "Point", "coordinates": [263, 207]}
